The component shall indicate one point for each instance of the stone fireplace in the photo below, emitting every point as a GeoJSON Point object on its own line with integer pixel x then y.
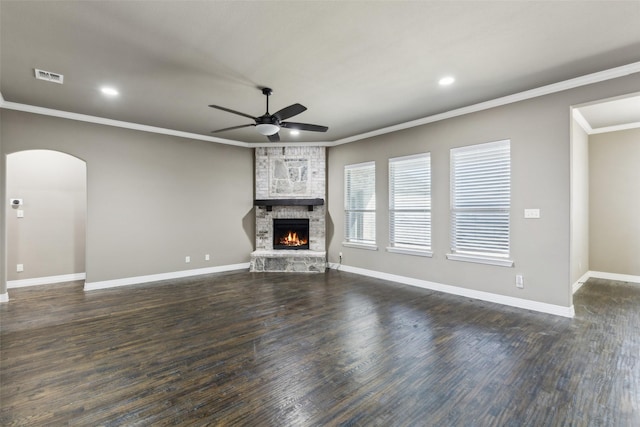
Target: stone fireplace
{"type": "Point", "coordinates": [290, 191]}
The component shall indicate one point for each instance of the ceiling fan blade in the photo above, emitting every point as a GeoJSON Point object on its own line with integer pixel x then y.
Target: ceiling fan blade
{"type": "Point", "coordinates": [290, 111]}
{"type": "Point", "coordinates": [228, 110]}
{"type": "Point", "coordinates": [232, 127]}
{"type": "Point", "coordinates": [274, 138]}
{"type": "Point", "coordinates": [304, 126]}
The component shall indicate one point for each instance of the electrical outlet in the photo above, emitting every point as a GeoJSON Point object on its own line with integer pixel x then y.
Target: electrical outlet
{"type": "Point", "coordinates": [187, 259]}
{"type": "Point", "coordinates": [519, 281]}
{"type": "Point", "coordinates": [20, 268]}
{"type": "Point", "coordinates": [207, 257]}
{"type": "Point", "coordinates": [532, 213]}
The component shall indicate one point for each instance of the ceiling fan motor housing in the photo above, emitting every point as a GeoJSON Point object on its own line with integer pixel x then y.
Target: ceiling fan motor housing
{"type": "Point", "coordinates": [267, 119]}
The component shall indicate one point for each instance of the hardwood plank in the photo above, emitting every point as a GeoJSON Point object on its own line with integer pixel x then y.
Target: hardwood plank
{"type": "Point", "coordinates": [284, 349]}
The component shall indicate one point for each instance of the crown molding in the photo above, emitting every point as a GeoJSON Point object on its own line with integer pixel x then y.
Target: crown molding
{"type": "Point", "coordinates": [579, 118]}
{"type": "Point", "coordinates": [615, 128]}
{"type": "Point", "coordinates": [588, 79]}
{"type": "Point", "coordinates": [584, 124]}
{"type": "Point", "coordinates": [115, 123]}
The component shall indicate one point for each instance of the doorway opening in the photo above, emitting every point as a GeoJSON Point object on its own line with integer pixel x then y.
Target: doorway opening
{"type": "Point", "coordinates": [45, 218]}
{"type": "Point", "coordinates": [605, 152]}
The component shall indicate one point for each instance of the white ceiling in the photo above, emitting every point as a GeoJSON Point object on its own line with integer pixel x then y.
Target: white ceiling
{"type": "Point", "coordinates": [357, 66]}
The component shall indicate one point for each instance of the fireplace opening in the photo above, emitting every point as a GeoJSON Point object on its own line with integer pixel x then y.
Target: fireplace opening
{"type": "Point", "coordinates": [291, 233]}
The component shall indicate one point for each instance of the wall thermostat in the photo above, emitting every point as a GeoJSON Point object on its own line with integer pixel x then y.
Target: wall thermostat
{"type": "Point", "coordinates": [15, 202]}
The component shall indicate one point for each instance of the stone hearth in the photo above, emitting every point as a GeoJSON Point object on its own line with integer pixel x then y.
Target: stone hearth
{"type": "Point", "coordinates": [289, 175]}
{"type": "Point", "coordinates": [301, 261]}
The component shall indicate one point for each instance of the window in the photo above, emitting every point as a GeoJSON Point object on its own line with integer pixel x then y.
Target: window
{"type": "Point", "coordinates": [410, 204]}
{"type": "Point", "coordinates": [480, 203]}
{"type": "Point", "coordinates": [360, 204]}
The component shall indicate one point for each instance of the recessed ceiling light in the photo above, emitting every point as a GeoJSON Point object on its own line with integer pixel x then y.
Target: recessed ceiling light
{"type": "Point", "coordinates": [446, 81]}
{"type": "Point", "coordinates": [294, 132]}
{"type": "Point", "coordinates": [109, 91]}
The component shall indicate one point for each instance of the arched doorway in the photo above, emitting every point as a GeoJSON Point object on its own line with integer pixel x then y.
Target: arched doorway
{"type": "Point", "coordinates": [46, 218]}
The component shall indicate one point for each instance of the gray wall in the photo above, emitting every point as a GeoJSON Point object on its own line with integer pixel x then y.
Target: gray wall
{"type": "Point", "coordinates": [579, 202]}
{"type": "Point", "coordinates": [50, 239]}
{"type": "Point", "coordinates": [152, 199]}
{"type": "Point", "coordinates": [615, 202]}
{"type": "Point", "coordinates": [539, 130]}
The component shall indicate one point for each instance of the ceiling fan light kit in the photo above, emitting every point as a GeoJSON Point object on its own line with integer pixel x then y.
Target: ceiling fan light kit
{"type": "Point", "coordinates": [267, 129]}
{"type": "Point", "coordinates": [270, 124]}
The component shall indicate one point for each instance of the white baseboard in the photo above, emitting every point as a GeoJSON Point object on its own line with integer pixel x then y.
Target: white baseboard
{"type": "Point", "coordinates": [47, 280]}
{"type": "Point", "coordinates": [615, 276]}
{"type": "Point", "coordinates": [4, 297]}
{"type": "Point", "coordinates": [542, 307]}
{"type": "Point", "coordinates": [106, 284]}
{"type": "Point", "coordinates": [580, 282]}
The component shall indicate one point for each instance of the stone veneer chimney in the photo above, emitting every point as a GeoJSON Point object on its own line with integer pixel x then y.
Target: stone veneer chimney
{"type": "Point", "coordinates": [288, 176]}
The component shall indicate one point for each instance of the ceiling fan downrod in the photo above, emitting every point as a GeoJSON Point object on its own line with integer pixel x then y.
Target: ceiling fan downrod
{"type": "Point", "coordinates": [267, 92]}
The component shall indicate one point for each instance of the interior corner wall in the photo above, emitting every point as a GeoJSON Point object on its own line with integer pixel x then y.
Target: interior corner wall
{"type": "Point", "coordinates": [152, 199]}
{"type": "Point", "coordinates": [539, 130]}
{"type": "Point", "coordinates": [3, 201]}
{"type": "Point", "coordinates": [579, 202]}
{"type": "Point", "coordinates": [615, 202]}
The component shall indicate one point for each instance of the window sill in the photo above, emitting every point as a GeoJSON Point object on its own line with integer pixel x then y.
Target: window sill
{"type": "Point", "coordinates": [367, 246]}
{"type": "Point", "coordinates": [405, 251]}
{"type": "Point", "coordinates": [501, 262]}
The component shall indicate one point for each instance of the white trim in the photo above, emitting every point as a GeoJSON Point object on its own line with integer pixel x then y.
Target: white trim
{"type": "Point", "coordinates": [580, 282]}
{"type": "Point", "coordinates": [501, 262]}
{"type": "Point", "coordinates": [579, 118]}
{"type": "Point", "coordinates": [117, 123]}
{"type": "Point", "coordinates": [588, 79]}
{"type": "Point", "coordinates": [290, 144]}
{"type": "Point", "coordinates": [615, 128]}
{"type": "Point", "coordinates": [4, 297]}
{"type": "Point", "coordinates": [541, 307]}
{"type": "Point", "coordinates": [47, 280]}
{"type": "Point", "coordinates": [367, 246]}
{"type": "Point", "coordinates": [405, 251]}
{"type": "Point", "coordinates": [615, 276]}
{"type": "Point", "coordinates": [146, 128]}
{"type": "Point", "coordinates": [106, 284]}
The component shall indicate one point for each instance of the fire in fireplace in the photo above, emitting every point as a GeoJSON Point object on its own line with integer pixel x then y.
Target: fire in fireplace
{"type": "Point", "coordinates": [291, 233]}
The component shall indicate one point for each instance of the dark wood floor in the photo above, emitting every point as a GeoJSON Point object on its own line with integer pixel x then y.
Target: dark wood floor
{"type": "Point", "coordinates": [330, 349]}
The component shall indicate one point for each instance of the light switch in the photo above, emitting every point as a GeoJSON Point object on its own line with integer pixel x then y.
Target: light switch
{"type": "Point", "coordinates": [532, 213]}
{"type": "Point", "coordinates": [20, 213]}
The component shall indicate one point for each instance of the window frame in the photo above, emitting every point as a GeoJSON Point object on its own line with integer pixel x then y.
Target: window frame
{"type": "Point", "coordinates": [408, 248]}
{"type": "Point", "coordinates": [349, 240]}
{"type": "Point", "coordinates": [501, 252]}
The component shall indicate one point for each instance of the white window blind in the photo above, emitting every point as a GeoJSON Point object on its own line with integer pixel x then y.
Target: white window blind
{"type": "Point", "coordinates": [410, 202]}
{"type": "Point", "coordinates": [360, 203]}
{"type": "Point", "coordinates": [481, 199]}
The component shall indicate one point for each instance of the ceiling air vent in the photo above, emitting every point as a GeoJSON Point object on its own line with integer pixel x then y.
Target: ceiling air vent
{"type": "Point", "coordinates": [49, 76]}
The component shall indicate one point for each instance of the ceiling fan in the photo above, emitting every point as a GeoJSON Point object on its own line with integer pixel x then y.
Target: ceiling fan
{"type": "Point", "coordinates": [270, 124]}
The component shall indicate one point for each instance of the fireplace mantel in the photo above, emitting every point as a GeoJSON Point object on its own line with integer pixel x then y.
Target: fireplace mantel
{"type": "Point", "coordinates": [269, 203]}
